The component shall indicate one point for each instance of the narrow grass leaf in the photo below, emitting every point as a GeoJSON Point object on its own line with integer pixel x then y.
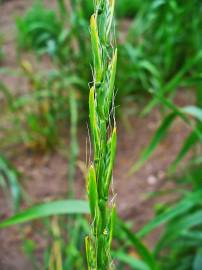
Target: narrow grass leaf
{"type": "Point", "coordinates": [176, 228]}
{"type": "Point", "coordinates": [140, 248]}
{"type": "Point", "coordinates": [193, 111]}
{"type": "Point", "coordinates": [11, 175]}
{"type": "Point", "coordinates": [159, 135]}
{"type": "Point", "coordinates": [47, 209]}
{"type": "Point", "coordinates": [185, 223]}
{"type": "Point", "coordinates": [182, 207]}
{"type": "Point", "coordinates": [134, 263]}
{"type": "Point", "coordinates": [189, 142]}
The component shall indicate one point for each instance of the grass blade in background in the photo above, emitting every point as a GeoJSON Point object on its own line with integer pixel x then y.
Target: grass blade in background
{"type": "Point", "coordinates": [141, 249]}
{"type": "Point", "coordinates": [189, 142]}
{"type": "Point", "coordinates": [159, 135]}
{"type": "Point", "coordinates": [48, 209]}
{"type": "Point", "coordinates": [131, 261]}
{"type": "Point", "coordinates": [182, 207]}
{"type": "Point", "coordinates": [175, 228]}
{"type": "Point", "coordinates": [194, 111]}
{"type": "Point", "coordinates": [9, 177]}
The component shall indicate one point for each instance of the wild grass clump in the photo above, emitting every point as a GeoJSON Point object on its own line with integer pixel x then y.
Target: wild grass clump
{"type": "Point", "coordinates": [42, 31]}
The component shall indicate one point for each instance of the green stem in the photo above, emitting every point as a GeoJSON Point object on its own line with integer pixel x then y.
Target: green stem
{"type": "Point", "coordinates": [73, 143]}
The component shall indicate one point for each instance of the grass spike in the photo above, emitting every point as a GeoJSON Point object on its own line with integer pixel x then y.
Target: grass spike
{"type": "Point", "coordinates": [103, 135]}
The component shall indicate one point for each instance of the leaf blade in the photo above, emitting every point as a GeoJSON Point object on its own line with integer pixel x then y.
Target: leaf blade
{"type": "Point", "coordinates": [47, 209]}
{"type": "Point", "coordinates": [158, 136]}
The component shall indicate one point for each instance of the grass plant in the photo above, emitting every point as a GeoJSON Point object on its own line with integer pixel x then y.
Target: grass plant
{"type": "Point", "coordinates": [9, 180]}
{"type": "Point", "coordinates": [42, 31]}
{"type": "Point", "coordinates": [103, 134]}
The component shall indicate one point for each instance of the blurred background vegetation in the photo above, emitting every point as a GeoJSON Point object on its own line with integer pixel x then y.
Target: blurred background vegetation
{"type": "Point", "coordinates": [45, 73]}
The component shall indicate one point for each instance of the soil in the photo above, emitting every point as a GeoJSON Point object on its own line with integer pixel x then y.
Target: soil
{"type": "Point", "coordinates": [44, 176]}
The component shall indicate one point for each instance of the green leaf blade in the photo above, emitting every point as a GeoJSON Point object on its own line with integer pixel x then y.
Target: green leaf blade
{"type": "Point", "coordinates": [47, 209]}
{"type": "Point", "coordinates": [158, 136]}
